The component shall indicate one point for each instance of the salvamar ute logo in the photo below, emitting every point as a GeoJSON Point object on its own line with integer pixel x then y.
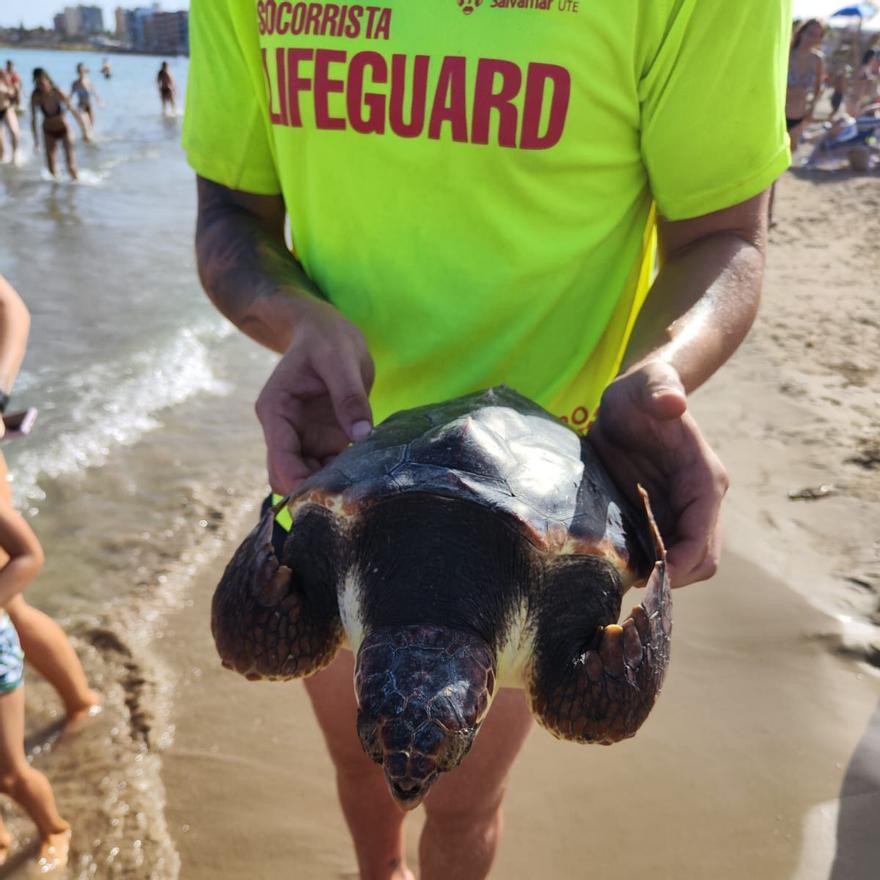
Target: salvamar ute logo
{"type": "Point", "coordinates": [468, 6]}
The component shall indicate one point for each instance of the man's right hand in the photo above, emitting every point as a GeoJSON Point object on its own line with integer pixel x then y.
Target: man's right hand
{"type": "Point", "coordinates": [316, 401]}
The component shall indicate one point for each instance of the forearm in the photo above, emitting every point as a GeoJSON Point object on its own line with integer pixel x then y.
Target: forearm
{"type": "Point", "coordinates": [14, 327]}
{"type": "Point", "coordinates": [700, 307]}
{"type": "Point", "coordinates": [247, 270]}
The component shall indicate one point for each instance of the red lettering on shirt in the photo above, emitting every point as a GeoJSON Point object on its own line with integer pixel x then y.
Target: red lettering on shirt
{"type": "Point", "coordinates": [487, 99]}
{"type": "Point", "coordinates": [450, 100]}
{"type": "Point", "coordinates": [329, 19]}
{"type": "Point", "coordinates": [538, 76]}
{"type": "Point", "coordinates": [373, 120]}
{"type": "Point", "coordinates": [325, 86]}
{"type": "Point", "coordinates": [377, 97]}
{"type": "Point", "coordinates": [419, 89]}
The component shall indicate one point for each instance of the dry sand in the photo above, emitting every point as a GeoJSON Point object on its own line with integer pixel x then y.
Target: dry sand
{"type": "Point", "coordinates": [762, 758]}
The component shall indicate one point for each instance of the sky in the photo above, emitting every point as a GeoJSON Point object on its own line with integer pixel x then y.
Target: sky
{"type": "Point", "coordinates": [36, 13]}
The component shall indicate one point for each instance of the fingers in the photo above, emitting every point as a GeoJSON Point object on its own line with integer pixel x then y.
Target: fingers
{"type": "Point", "coordinates": [316, 400]}
{"type": "Point", "coordinates": [662, 393]}
{"type": "Point", "coordinates": [695, 554]}
{"type": "Point", "coordinates": [347, 372]}
{"type": "Point", "coordinates": [284, 462]}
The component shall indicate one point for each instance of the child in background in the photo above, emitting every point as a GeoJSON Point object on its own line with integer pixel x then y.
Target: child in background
{"type": "Point", "coordinates": [22, 626]}
{"type": "Point", "coordinates": [46, 646]}
{"type": "Point", "coordinates": [18, 779]}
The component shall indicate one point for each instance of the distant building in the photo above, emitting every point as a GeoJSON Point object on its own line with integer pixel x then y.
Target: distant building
{"type": "Point", "coordinates": [135, 22]}
{"type": "Point", "coordinates": [72, 21]}
{"type": "Point", "coordinates": [91, 20]}
{"type": "Point", "coordinates": [80, 21]}
{"type": "Point", "coordinates": [167, 33]}
{"type": "Point", "coordinates": [121, 16]}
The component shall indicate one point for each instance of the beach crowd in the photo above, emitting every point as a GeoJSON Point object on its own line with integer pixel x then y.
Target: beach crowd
{"type": "Point", "coordinates": [80, 101]}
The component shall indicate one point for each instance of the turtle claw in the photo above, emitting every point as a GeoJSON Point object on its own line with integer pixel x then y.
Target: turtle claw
{"type": "Point", "coordinates": [604, 694]}
{"type": "Point", "coordinates": [265, 622]}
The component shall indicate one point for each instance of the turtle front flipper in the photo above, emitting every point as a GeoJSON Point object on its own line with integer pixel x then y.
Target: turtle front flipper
{"type": "Point", "coordinates": [280, 621]}
{"type": "Point", "coordinates": [602, 692]}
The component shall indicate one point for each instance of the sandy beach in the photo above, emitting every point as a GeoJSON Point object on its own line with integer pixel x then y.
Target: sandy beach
{"type": "Point", "coordinates": [762, 758]}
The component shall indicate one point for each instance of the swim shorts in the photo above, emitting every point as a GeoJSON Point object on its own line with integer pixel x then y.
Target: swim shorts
{"type": "Point", "coordinates": [11, 656]}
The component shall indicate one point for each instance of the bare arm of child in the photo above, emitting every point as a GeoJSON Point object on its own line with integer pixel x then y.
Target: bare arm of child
{"type": "Point", "coordinates": [15, 323]}
{"type": "Point", "coordinates": [18, 540]}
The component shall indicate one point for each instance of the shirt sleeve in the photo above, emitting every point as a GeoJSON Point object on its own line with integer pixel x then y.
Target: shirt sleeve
{"type": "Point", "coordinates": [713, 105]}
{"type": "Point", "coordinates": [226, 127]}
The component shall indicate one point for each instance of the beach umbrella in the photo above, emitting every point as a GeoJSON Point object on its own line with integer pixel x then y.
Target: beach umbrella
{"type": "Point", "coordinates": [858, 10]}
{"type": "Point", "coordinates": [802, 9]}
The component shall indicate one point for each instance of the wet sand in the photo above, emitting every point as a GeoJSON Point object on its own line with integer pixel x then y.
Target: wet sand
{"type": "Point", "coordinates": [761, 758]}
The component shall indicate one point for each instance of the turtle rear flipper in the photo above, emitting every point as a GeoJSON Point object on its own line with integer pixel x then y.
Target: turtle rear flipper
{"type": "Point", "coordinates": [280, 621]}
{"type": "Point", "coordinates": [603, 694]}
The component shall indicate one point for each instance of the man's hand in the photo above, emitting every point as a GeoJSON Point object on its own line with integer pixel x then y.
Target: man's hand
{"type": "Point", "coordinates": [644, 434]}
{"type": "Point", "coordinates": [316, 400]}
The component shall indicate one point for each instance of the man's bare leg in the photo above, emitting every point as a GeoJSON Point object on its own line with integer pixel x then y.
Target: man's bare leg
{"type": "Point", "coordinates": [374, 820]}
{"type": "Point", "coordinates": [463, 810]}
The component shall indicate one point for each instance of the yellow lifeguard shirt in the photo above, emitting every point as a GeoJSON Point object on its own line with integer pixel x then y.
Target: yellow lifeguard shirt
{"type": "Point", "coordinates": [474, 183]}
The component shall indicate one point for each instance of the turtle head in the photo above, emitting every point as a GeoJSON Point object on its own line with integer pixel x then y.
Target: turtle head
{"type": "Point", "coordinates": [422, 693]}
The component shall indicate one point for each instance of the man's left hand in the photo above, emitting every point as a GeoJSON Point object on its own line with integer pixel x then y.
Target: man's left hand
{"type": "Point", "coordinates": [644, 434]}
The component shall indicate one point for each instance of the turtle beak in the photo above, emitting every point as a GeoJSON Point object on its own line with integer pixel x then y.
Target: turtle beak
{"type": "Point", "coordinates": [413, 759]}
{"type": "Point", "coordinates": [422, 694]}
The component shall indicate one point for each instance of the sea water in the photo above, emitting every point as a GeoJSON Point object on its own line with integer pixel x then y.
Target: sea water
{"type": "Point", "coordinates": [145, 452]}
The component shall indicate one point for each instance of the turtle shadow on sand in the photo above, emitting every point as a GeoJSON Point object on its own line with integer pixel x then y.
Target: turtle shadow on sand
{"type": "Point", "coordinates": [857, 854]}
{"type": "Point", "coordinates": [461, 546]}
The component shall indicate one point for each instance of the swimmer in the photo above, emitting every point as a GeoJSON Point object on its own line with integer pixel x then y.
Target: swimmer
{"type": "Point", "coordinates": [106, 70]}
{"type": "Point", "coordinates": [53, 102]}
{"type": "Point", "coordinates": [83, 90]}
{"type": "Point", "coordinates": [8, 116]}
{"type": "Point", "coordinates": [15, 80]}
{"type": "Point", "coordinates": [166, 88]}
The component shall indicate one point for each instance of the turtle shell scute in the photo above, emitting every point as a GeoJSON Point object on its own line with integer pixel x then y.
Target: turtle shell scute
{"type": "Point", "coordinates": [493, 448]}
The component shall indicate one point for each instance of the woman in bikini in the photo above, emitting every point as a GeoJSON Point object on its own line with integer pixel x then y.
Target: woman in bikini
{"type": "Point", "coordinates": [806, 72]}
{"type": "Point", "coordinates": [53, 102]}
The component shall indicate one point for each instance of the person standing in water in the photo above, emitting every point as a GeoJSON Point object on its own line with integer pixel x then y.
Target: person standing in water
{"type": "Point", "coordinates": [8, 117]}
{"type": "Point", "coordinates": [84, 92]}
{"type": "Point", "coordinates": [49, 99]}
{"type": "Point", "coordinates": [166, 88]}
{"type": "Point", "coordinates": [15, 80]}
{"type": "Point", "coordinates": [106, 70]}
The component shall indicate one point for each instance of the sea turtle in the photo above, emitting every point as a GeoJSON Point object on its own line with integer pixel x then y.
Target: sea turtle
{"type": "Point", "coordinates": [461, 546]}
